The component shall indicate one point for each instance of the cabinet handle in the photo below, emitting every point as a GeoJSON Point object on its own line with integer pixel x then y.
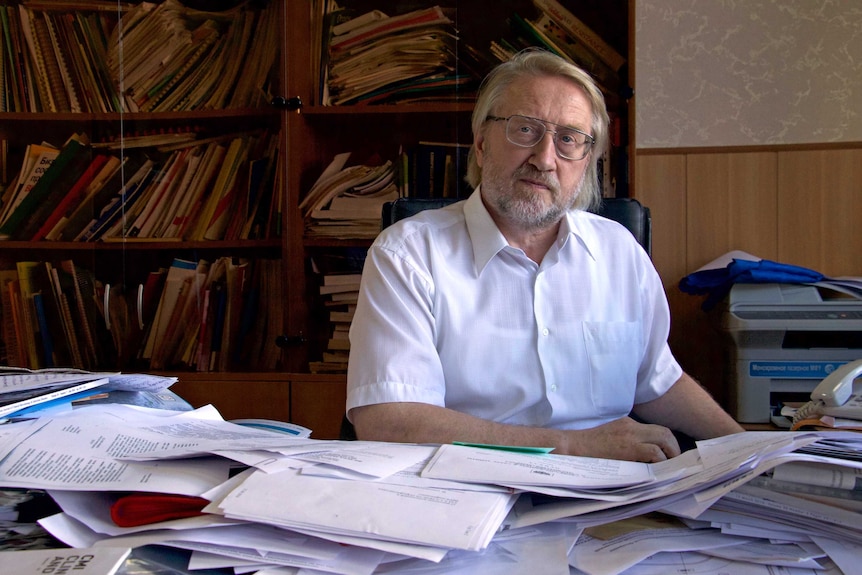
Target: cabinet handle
{"type": "Point", "coordinates": [106, 305]}
{"type": "Point", "coordinates": [294, 104]}
{"type": "Point", "coordinates": [290, 340]}
{"type": "Point", "coordinates": [139, 304]}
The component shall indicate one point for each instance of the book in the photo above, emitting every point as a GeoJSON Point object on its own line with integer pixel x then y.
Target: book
{"type": "Point", "coordinates": [438, 170]}
{"type": "Point", "coordinates": [178, 272]}
{"type": "Point", "coordinates": [124, 200]}
{"type": "Point", "coordinates": [581, 32]}
{"type": "Point", "coordinates": [14, 100]}
{"type": "Point", "coordinates": [68, 165]}
{"type": "Point", "coordinates": [63, 297]}
{"type": "Point", "coordinates": [90, 309]}
{"type": "Point", "coordinates": [131, 169]}
{"type": "Point", "coordinates": [158, 201]}
{"type": "Point", "coordinates": [72, 198]}
{"type": "Point", "coordinates": [216, 212]}
{"type": "Point", "coordinates": [88, 561]}
{"type": "Point", "coordinates": [30, 332]}
{"type": "Point", "coordinates": [111, 166]}
{"type": "Point", "coordinates": [42, 100]}
{"type": "Point", "coordinates": [83, 320]}
{"type": "Point", "coordinates": [37, 159]}
{"type": "Point", "coordinates": [555, 37]}
{"type": "Point", "coordinates": [11, 330]}
{"type": "Point", "coordinates": [188, 212]}
{"type": "Point", "coordinates": [68, 87]}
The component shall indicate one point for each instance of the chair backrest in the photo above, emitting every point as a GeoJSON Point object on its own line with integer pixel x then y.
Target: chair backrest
{"type": "Point", "coordinates": [629, 212]}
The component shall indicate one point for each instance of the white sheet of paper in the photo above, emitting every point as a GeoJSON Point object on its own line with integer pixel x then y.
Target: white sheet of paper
{"type": "Point", "coordinates": [615, 555]}
{"type": "Point", "coordinates": [768, 553]}
{"type": "Point", "coordinates": [501, 467]}
{"type": "Point", "coordinates": [694, 563]}
{"type": "Point", "coordinates": [372, 459]}
{"type": "Point", "coordinates": [455, 519]}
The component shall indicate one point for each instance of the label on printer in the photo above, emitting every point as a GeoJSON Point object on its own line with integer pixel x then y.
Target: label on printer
{"type": "Point", "coordinates": [793, 369]}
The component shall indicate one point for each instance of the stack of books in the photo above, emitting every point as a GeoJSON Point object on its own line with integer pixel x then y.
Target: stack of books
{"type": "Point", "coordinates": [200, 315]}
{"type": "Point", "coordinates": [161, 57]}
{"type": "Point", "coordinates": [434, 170]}
{"type": "Point", "coordinates": [181, 187]}
{"type": "Point", "coordinates": [340, 292]}
{"type": "Point", "coordinates": [215, 316]}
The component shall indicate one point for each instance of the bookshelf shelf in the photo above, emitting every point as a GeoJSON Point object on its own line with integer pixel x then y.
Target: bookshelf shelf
{"type": "Point", "coordinates": [114, 117]}
{"type": "Point", "coordinates": [238, 246]}
{"type": "Point", "coordinates": [387, 109]}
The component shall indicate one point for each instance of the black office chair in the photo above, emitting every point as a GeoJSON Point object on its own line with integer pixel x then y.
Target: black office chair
{"type": "Point", "coordinates": [627, 211]}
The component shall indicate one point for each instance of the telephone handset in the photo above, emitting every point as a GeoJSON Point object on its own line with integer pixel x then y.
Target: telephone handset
{"type": "Point", "coordinates": [836, 395]}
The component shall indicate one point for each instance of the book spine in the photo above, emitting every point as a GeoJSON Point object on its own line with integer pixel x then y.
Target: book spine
{"type": "Point", "coordinates": [31, 27]}
{"type": "Point", "coordinates": [582, 32]}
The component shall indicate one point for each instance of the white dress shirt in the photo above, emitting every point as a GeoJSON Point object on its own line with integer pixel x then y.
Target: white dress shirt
{"type": "Point", "coordinates": [449, 314]}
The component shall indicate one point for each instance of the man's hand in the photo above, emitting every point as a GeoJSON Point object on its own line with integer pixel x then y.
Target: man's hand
{"type": "Point", "coordinates": [624, 439]}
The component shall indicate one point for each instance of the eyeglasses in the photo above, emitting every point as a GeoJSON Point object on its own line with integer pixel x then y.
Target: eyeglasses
{"type": "Point", "coordinates": [524, 131]}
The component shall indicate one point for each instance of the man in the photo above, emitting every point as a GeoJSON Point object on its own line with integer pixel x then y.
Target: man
{"type": "Point", "coordinates": [516, 317]}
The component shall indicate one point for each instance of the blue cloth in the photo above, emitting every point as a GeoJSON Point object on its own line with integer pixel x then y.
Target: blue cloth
{"type": "Point", "coordinates": [716, 283]}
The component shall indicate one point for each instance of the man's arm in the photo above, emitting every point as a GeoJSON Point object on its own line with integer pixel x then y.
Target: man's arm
{"type": "Point", "coordinates": [423, 423]}
{"type": "Point", "coordinates": [689, 408]}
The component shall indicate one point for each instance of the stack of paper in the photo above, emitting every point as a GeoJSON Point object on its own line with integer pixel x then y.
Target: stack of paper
{"type": "Point", "coordinates": [30, 393]}
{"type": "Point", "coordinates": [347, 201]}
{"type": "Point", "coordinates": [365, 507]}
{"type": "Point", "coordinates": [377, 58]}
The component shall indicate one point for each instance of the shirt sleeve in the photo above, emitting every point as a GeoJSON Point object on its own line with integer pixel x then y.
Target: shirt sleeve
{"type": "Point", "coordinates": [393, 356]}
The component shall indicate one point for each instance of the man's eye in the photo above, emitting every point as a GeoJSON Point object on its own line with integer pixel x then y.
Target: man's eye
{"type": "Point", "coordinates": [568, 139]}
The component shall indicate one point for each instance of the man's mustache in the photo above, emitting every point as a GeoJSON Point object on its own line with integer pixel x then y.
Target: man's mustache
{"type": "Point", "coordinates": [530, 173]}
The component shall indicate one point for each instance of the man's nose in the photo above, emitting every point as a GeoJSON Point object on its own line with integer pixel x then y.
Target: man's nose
{"type": "Point", "coordinates": [545, 151]}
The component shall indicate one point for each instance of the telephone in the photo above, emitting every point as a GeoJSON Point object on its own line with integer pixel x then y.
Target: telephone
{"type": "Point", "coordinates": [836, 395]}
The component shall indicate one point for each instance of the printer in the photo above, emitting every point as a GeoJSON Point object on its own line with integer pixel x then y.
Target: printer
{"type": "Point", "coordinates": [782, 340]}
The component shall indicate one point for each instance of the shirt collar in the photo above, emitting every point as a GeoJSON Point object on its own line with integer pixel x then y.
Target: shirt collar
{"type": "Point", "coordinates": [573, 225]}
{"type": "Point", "coordinates": [487, 239]}
{"type": "Point", "coordinates": [484, 234]}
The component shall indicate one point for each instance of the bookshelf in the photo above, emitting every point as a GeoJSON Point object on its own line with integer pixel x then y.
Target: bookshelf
{"type": "Point", "coordinates": [286, 106]}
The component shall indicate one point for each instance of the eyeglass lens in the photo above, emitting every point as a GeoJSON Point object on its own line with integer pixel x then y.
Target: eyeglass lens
{"type": "Point", "coordinates": [527, 132]}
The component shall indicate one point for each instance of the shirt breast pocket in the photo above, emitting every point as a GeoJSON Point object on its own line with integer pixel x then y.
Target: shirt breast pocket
{"type": "Point", "coordinates": [613, 350]}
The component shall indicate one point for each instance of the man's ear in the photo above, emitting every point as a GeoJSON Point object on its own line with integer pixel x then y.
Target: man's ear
{"type": "Point", "coordinates": [479, 146]}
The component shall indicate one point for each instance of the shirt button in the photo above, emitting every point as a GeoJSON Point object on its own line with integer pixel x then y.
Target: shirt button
{"type": "Point", "coordinates": [546, 331]}
{"type": "Point", "coordinates": [553, 387]}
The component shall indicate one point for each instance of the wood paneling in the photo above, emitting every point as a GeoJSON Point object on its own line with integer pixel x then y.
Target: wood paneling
{"type": "Point", "coordinates": [311, 400]}
{"type": "Point", "coordinates": [234, 398]}
{"type": "Point", "coordinates": [820, 204]}
{"type": "Point", "coordinates": [319, 405]}
{"type": "Point", "coordinates": [793, 206]}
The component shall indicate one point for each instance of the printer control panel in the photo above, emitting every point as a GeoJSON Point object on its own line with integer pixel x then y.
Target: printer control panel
{"type": "Point", "coordinates": [799, 314]}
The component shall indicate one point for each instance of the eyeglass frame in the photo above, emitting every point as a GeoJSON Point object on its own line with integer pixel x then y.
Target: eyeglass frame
{"type": "Point", "coordinates": [591, 140]}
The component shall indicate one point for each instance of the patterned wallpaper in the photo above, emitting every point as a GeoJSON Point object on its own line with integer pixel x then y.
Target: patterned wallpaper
{"type": "Point", "coordinates": [747, 72]}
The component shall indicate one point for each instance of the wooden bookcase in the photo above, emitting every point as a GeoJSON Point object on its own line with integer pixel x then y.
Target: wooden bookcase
{"type": "Point", "coordinates": [311, 136]}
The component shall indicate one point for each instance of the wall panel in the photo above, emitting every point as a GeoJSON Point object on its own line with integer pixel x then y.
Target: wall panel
{"type": "Point", "coordinates": [795, 206]}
